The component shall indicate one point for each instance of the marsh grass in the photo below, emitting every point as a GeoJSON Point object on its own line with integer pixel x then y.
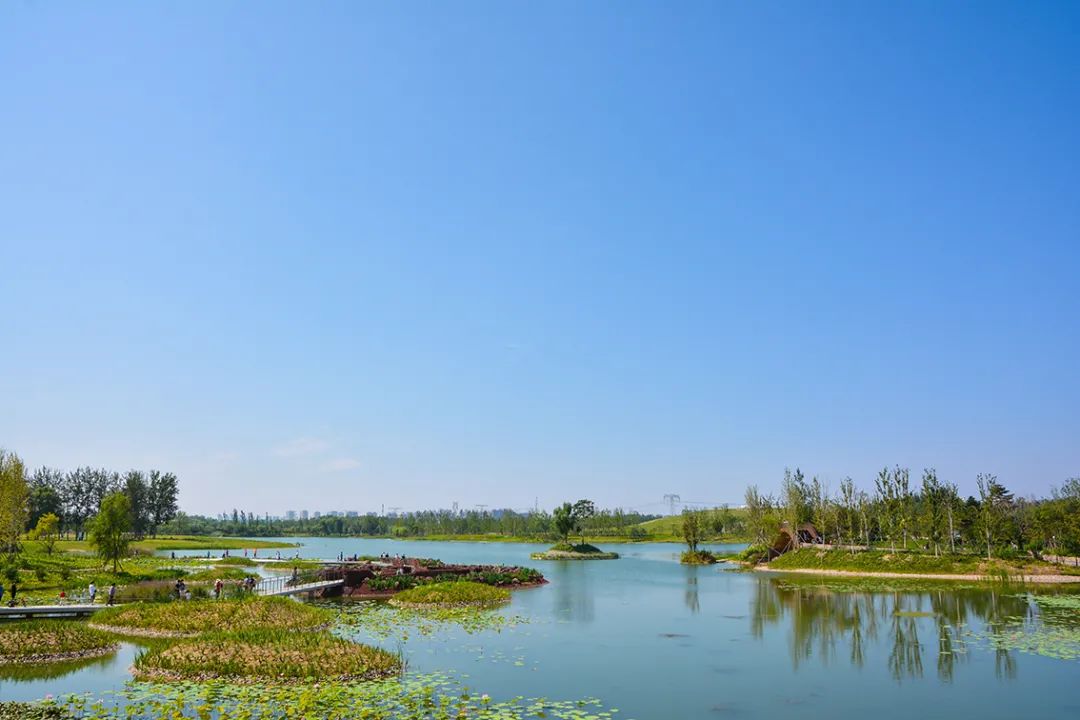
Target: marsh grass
{"type": "Point", "coordinates": [34, 641]}
{"type": "Point", "coordinates": [451, 595]}
{"type": "Point", "coordinates": [267, 655]}
{"type": "Point", "coordinates": [180, 619]}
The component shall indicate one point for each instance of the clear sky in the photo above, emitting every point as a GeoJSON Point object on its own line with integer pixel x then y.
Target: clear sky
{"type": "Point", "coordinates": [334, 255]}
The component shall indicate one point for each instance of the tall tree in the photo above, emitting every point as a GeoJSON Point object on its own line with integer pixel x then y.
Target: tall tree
{"type": "Point", "coordinates": [14, 502]}
{"type": "Point", "coordinates": [138, 494]}
{"type": "Point", "coordinates": [691, 528]}
{"type": "Point", "coordinates": [45, 494]}
{"type": "Point", "coordinates": [110, 529]}
{"type": "Point", "coordinates": [564, 521]}
{"type": "Point", "coordinates": [163, 491]}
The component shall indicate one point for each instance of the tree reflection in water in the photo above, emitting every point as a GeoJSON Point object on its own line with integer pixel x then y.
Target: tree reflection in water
{"type": "Point", "coordinates": [693, 599]}
{"type": "Point", "coordinates": [826, 622]}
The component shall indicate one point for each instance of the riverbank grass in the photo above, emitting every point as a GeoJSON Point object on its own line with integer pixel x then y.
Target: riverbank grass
{"type": "Point", "coordinates": [452, 595]}
{"type": "Point", "coordinates": [914, 563]}
{"type": "Point", "coordinates": [187, 619]}
{"type": "Point", "coordinates": [267, 656]}
{"type": "Point", "coordinates": [567, 551]}
{"type": "Point", "coordinates": [39, 641]}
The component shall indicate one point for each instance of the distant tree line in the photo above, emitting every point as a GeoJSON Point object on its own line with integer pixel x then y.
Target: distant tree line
{"type": "Point", "coordinates": [539, 524]}
{"type": "Point", "coordinates": [930, 516]}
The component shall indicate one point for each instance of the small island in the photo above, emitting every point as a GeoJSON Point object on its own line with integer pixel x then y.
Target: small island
{"type": "Point", "coordinates": [567, 551]}
{"type": "Point", "coordinates": [568, 518]}
{"type": "Point", "coordinates": [692, 528]}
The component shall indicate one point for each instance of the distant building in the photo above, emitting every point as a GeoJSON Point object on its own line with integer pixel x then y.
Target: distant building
{"type": "Point", "coordinates": [303, 515]}
{"type": "Point", "coordinates": [290, 514]}
{"type": "Point", "coordinates": [351, 513]}
{"type": "Point", "coordinates": [317, 515]}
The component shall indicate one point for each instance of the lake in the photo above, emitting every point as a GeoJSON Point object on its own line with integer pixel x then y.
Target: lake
{"type": "Point", "coordinates": [659, 640]}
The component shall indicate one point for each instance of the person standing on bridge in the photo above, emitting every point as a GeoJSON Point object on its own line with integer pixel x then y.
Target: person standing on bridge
{"type": "Point", "coordinates": [1, 592]}
{"type": "Point", "coordinates": [92, 590]}
{"type": "Point", "coordinates": [112, 593]}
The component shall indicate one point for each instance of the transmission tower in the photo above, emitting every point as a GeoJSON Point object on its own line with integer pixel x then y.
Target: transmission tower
{"type": "Point", "coordinates": [671, 499]}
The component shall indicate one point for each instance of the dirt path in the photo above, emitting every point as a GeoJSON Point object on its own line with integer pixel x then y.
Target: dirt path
{"type": "Point", "coordinates": [1048, 579]}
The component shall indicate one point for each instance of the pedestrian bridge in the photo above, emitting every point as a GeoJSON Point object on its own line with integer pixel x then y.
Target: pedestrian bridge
{"type": "Point", "coordinates": [54, 611]}
{"type": "Point", "coordinates": [280, 586]}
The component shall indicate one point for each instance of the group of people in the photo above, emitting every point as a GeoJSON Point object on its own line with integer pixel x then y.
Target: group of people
{"type": "Point", "coordinates": [92, 593]}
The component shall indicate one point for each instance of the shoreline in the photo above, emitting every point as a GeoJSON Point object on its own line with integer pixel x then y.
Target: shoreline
{"type": "Point", "coordinates": [1047, 579]}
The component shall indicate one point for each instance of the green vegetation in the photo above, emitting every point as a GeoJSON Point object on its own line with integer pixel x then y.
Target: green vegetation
{"type": "Point", "coordinates": [567, 551]}
{"type": "Point", "coordinates": [267, 656]}
{"type": "Point", "coordinates": [808, 558]}
{"type": "Point", "coordinates": [109, 530]}
{"type": "Point", "coordinates": [452, 594]}
{"type": "Point", "coordinates": [697, 557]}
{"type": "Point", "coordinates": [507, 576]}
{"type": "Point", "coordinates": [931, 518]}
{"type": "Point", "coordinates": [184, 619]}
{"type": "Point", "coordinates": [31, 711]}
{"type": "Point", "coordinates": [422, 697]}
{"type": "Point", "coordinates": [33, 641]}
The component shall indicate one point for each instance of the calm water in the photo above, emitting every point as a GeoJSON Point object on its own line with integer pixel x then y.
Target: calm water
{"type": "Point", "coordinates": [660, 641]}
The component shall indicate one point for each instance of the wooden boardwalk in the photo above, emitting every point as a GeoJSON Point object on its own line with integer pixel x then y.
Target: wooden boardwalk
{"type": "Point", "coordinates": [54, 611]}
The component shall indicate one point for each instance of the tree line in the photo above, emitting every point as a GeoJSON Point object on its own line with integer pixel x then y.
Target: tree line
{"type": "Point", "coordinates": [539, 524]}
{"type": "Point", "coordinates": [928, 514]}
{"type": "Point", "coordinates": [76, 496]}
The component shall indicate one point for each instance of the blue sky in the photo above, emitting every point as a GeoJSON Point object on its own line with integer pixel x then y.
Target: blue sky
{"type": "Point", "coordinates": [339, 255]}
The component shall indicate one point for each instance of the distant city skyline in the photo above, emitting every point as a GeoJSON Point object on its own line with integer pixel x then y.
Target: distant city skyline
{"type": "Point", "coordinates": [514, 254]}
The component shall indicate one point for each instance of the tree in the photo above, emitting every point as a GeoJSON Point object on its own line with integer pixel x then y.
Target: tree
{"type": "Point", "coordinates": [583, 510]}
{"type": "Point", "coordinates": [795, 505]}
{"type": "Point", "coordinates": [46, 530]}
{"type": "Point", "coordinates": [14, 502]}
{"type": "Point", "coordinates": [110, 529]}
{"type": "Point", "coordinates": [933, 509]}
{"type": "Point", "coordinates": [45, 486]}
{"type": "Point", "coordinates": [564, 520]}
{"type": "Point", "coordinates": [162, 498]}
{"type": "Point", "coordinates": [691, 528]}
{"type": "Point", "coordinates": [138, 494]}
{"type": "Point", "coordinates": [761, 518]}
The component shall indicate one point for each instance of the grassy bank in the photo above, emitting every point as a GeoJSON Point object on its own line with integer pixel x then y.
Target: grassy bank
{"type": "Point", "coordinates": [180, 619]}
{"type": "Point", "coordinates": [913, 563]}
{"type": "Point", "coordinates": [267, 656]}
{"type": "Point", "coordinates": [165, 543]}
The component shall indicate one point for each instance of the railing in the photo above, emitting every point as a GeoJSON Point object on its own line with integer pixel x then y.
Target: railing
{"type": "Point", "coordinates": [297, 582]}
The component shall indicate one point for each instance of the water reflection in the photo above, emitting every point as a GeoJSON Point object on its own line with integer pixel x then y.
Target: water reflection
{"type": "Point", "coordinates": [692, 597]}
{"type": "Point", "coordinates": [826, 625]}
{"type": "Point", "coordinates": [573, 597]}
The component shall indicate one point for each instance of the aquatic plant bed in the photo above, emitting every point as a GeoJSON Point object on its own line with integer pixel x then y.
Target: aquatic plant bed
{"type": "Point", "coordinates": [566, 551]}
{"type": "Point", "coordinates": [698, 557]}
{"type": "Point", "coordinates": [423, 697]}
{"type": "Point", "coordinates": [381, 582]}
{"type": "Point", "coordinates": [31, 711]}
{"type": "Point", "coordinates": [40, 641]}
{"type": "Point", "coordinates": [267, 656]}
{"type": "Point", "coordinates": [452, 595]}
{"type": "Point", "coordinates": [193, 617]}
